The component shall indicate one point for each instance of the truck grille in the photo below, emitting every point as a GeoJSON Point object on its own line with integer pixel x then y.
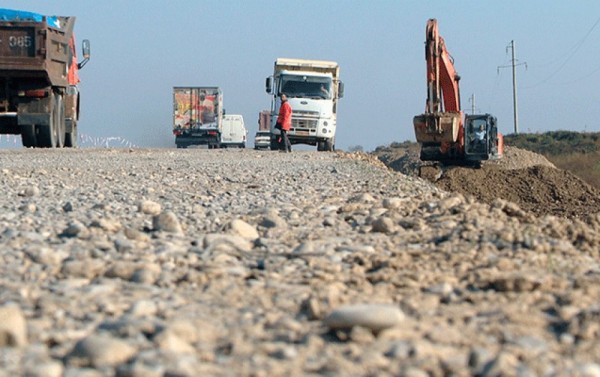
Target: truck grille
{"type": "Point", "coordinates": [307, 120]}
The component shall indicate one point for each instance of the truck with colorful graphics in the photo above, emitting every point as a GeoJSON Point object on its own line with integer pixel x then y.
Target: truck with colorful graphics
{"type": "Point", "coordinates": [197, 116]}
{"type": "Point", "coordinates": [313, 88]}
{"type": "Point", "coordinates": [39, 96]}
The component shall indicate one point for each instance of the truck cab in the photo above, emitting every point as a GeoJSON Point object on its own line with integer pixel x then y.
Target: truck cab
{"type": "Point", "coordinates": [313, 90]}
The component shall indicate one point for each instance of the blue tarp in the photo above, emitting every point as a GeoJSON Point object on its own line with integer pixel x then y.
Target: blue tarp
{"type": "Point", "coordinates": [16, 15]}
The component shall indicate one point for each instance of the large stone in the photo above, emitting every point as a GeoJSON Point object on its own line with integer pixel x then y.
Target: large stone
{"type": "Point", "coordinates": [149, 207]}
{"type": "Point", "coordinates": [13, 326]}
{"type": "Point", "coordinates": [375, 317]}
{"type": "Point", "coordinates": [243, 229]}
{"type": "Point", "coordinates": [100, 350]}
{"type": "Point", "coordinates": [167, 222]}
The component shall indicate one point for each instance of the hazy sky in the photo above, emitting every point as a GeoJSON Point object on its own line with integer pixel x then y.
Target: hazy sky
{"type": "Point", "coordinates": [142, 48]}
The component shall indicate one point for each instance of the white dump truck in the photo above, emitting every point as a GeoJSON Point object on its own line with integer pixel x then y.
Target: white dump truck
{"type": "Point", "coordinates": [313, 88]}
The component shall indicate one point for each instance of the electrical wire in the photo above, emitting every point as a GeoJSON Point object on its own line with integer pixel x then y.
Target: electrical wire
{"type": "Point", "coordinates": [574, 50]}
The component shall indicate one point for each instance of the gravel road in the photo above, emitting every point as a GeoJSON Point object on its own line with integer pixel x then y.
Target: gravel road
{"type": "Point", "coordinates": [118, 262]}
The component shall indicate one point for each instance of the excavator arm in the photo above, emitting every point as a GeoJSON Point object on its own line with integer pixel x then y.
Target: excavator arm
{"type": "Point", "coordinates": [442, 79]}
{"type": "Point", "coordinates": [441, 128]}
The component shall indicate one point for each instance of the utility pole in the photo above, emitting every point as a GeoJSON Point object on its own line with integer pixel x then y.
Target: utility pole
{"type": "Point", "coordinates": [472, 100]}
{"type": "Point", "coordinates": [514, 65]}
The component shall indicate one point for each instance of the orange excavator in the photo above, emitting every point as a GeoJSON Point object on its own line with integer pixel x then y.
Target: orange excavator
{"type": "Point", "coordinates": [446, 134]}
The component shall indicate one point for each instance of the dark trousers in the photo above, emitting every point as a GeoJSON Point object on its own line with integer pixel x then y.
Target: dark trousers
{"type": "Point", "coordinates": [285, 142]}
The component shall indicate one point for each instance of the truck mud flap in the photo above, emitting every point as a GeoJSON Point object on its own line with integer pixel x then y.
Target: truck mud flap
{"type": "Point", "coordinates": [41, 119]}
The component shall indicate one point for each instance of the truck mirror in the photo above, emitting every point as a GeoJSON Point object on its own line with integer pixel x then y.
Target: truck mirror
{"type": "Point", "coordinates": [85, 48]}
{"type": "Point", "coordinates": [268, 86]}
{"type": "Point", "coordinates": [340, 89]}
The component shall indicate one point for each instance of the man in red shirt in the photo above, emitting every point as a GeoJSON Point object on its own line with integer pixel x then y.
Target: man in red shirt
{"type": "Point", "coordinates": [284, 123]}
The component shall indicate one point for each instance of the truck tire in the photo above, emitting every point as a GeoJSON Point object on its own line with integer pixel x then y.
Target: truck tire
{"type": "Point", "coordinates": [274, 145]}
{"type": "Point", "coordinates": [60, 121]}
{"type": "Point", "coordinates": [28, 137]}
{"type": "Point", "coordinates": [329, 146]}
{"type": "Point", "coordinates": [53, 134]}
{"type": "Point", "coordinates": [71, 137]}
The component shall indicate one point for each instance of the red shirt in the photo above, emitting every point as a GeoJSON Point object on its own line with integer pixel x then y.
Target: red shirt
{"type": "Point", "coordinates": [285, 116]}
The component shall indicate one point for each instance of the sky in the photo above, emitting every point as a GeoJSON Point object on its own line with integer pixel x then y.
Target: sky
{"type": "Point", "coordinates": [141, 49]}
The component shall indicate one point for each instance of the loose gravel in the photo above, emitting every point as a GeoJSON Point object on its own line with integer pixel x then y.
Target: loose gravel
{"type": "Point", "coordinates": [119, 262]}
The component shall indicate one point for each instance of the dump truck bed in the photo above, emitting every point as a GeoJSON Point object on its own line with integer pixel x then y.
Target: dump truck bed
{"type": "Point", "coordinates": [35, 46]}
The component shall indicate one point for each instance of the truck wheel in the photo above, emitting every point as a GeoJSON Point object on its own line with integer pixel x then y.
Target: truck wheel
{"type": "Point", "coordinates": [274, 145]}
{"type": "Point", "coordinates": [53, 134]}
{"type": "Point", "coordinates": [71, 137]}
{"type": "Point", "coordinates": [59, 121]}
{"type": "Point", "coordinates": [320, 146]}
{"type": "Point", "coordinates": [28, 137]}
{"type": "Point", "coordinates": [329, 147]}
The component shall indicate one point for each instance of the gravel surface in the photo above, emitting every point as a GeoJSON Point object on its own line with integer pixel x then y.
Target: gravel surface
{"type": "Point", "coordinates": [245, 263]}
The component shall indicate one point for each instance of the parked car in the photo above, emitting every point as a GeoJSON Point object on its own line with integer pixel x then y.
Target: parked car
{"type": "Point", "coordinates": [262, 140]}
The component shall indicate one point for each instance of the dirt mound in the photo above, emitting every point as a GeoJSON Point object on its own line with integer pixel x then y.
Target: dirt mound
{"type": "Point", "coordinates": [522, 177]}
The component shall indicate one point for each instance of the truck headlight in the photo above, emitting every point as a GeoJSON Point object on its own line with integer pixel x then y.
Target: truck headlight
{"type": "Point", "coordinates": [325, 123]}
{"type": "Point", "coordinates": [324, 130]}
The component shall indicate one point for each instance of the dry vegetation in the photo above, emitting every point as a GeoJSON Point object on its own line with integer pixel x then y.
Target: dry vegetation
{"type": "Point", "coordinates": [576, 152]}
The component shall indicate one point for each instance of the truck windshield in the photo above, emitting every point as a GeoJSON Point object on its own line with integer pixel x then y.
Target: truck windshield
{"type": "Point", "coordinates": [306, 86]}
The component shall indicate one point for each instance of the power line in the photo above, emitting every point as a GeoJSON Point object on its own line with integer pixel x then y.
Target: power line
{"type": "Point", "coordinates": [573, 49]}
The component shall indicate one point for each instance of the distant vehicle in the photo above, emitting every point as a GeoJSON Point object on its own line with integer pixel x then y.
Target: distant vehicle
{"type": "Point", "coordinates": [197, 116]}
{"type": "Point", "coordinates": [233, 132]}
{"type": "Point", "coordinates": [313, 88]}
{"type": "Point", "coordinates": [39, 97]}
{"type": "Point", "coordinates": [262, 139]}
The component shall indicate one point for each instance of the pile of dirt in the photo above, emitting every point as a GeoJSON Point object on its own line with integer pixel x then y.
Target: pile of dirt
{"type": "Point", "coordinates": [522, 177]}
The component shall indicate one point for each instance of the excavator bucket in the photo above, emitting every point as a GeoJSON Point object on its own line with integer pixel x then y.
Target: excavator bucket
{"type": "Point", "coordinates": [437, 128]}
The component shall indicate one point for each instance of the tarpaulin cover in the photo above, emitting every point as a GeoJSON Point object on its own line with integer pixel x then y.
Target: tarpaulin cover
{"type": "Point", "coordinates": [20, 15]}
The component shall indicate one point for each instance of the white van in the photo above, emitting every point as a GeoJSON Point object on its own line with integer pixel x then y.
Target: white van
{"type": "Point", "coordinates": [233, 132]}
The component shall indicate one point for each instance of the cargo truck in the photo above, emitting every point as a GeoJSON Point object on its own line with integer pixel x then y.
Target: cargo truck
{"type": "Point", "coordinates": [262, 138]}
{"type": "Point", "coordinates": [197, 116]}
{"type": "Point", "coordinates": [39, 97]}
{"type": "Point", "coordinates": [313, 88]}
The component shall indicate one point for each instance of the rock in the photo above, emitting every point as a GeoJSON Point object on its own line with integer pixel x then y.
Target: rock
{"type": "Point", "coordinates": [149, 207]}
{"type": "Point", "coordinates": [106, 224]}
{"type": "Point", "coordinates": [243, 229]}
{"type": "Point", "coordinates": [272, 220]}
{"type": "Point", "coordinates": [147, 274]}
{"type": "Point", "coordinates": [383, 224]}
{"type": "Point", "coordinates": [13, 326]}
{"type": "Point", "coordinates": [375, 317]}
{"type": "Point", "coordinates": [76, 229]}
{"type": "Point", "coordinates": [167, 222]}
{"type": "Point", "coordinates": [170, 342]}
{"type": "Point", "coordinates": [30, 191]}
{"type": "Point", "coordinates": [100, 350]}
{"type": "Point", "coordinates": [143, 308]}
{"type": "Point", "coordinates": [226, 242]}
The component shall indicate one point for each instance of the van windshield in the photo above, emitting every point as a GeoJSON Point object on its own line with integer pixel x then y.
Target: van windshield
{"type": "Point", "coordinates": [317, 87]}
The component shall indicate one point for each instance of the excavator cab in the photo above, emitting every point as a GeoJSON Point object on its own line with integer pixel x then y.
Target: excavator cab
{"type": "Point", "coordinates": [482, 140]}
